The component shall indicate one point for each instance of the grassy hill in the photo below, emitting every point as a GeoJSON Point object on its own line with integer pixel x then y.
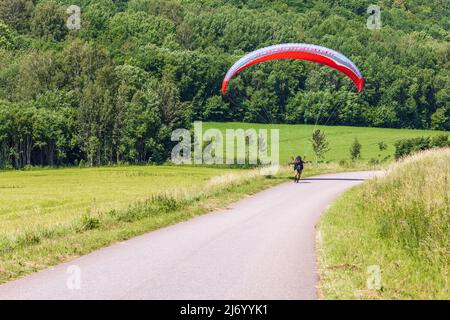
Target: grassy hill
{"type": "Point", "coordinates": [294, 139]}
{"type": "Point", "coordinates": [399, 223]}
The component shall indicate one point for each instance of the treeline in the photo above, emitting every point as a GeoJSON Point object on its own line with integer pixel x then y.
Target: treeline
{"type": "Point", "coordinates": [112, 91]}
{"type": "Point", "coordinates": [406, 147]}
{"type": "Point", "coordinates": [103, 115]}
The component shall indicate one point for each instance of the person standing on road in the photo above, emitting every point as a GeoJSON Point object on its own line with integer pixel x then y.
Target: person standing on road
{"type": "Point", "coordinates": [298, 168]}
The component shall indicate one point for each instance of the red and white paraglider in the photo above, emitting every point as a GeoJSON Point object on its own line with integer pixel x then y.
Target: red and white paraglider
{"type": "Point", "coordinates": [300, 51]}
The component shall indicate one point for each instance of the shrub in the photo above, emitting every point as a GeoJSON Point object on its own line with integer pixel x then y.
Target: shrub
{"type": "Point", "coordinates": [440, 141]}
{"type": "Point", "coordinates": [405, 147]}
{"type": "Point", "coordinates": [165, 203]}
{"type": "Point", "coordinates": [88, 222]}
{"type": "Point", "coordinates": [160, 203]}
{"type": "Point", "coordinates": [319, 144]}
{"type": "Point", "coordinates": [355, 150]}
{"type": "Point", "coordinates": [382, 145]}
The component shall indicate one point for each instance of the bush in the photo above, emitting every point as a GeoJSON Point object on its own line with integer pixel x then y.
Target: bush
{"type": "Point", "coordinates": [405, 147]}
{"type": "Point", "coordinates": [382, 145]}
{"type": "Point", "coordinates": [319, 144]}
{"type": "Point", "coordinates": [440, 141]}
{"type": "Point", "coordinates": [164, 203]}
{"type": "Point", "coordinates": [160, 203]}
{"type": "Point", "coordinates": [355, 150]}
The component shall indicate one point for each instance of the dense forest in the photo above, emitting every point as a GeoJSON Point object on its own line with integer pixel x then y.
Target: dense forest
{"type": "Point", "coordinates": [112, 91]}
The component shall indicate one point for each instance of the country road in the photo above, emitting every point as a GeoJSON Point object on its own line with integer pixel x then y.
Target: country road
{"type": "Point", "coordinates": [262, 247]}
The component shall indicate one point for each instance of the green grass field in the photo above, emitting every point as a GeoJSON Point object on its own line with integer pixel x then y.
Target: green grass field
{"type": "Point", "coordinates": [399, 223]}
{"type": "Point", "coordinates": [294, 139]}
{"type": "Point", "coordinates": [39, 198]}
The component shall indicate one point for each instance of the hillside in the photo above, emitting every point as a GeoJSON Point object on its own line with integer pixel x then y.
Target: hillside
{"type": "Point", "coordinates": [112, 91]}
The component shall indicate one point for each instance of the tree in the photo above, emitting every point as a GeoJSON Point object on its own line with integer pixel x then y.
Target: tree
{"type": "Point", "coordinates": [319, 144]}
{"type": "Point", "coordinates": [95, 18]}
{"type": "Point", "coordinates": [170, 100]}
{"type": "Point", "coordinates": [95, 123]}
{"type": "Point", "coordinates": [38, 73]}
{"type": "Point", "coordinates": [355, 150]}
{"type": "Point", "coordinates": [440, 120]}
{"type": "Point", "coordinates": [49, 21]}
{"type": "Point", "coordinates": [216, 109]}
{"type": "Point", "coordinates": [81, 62]}
{"type": "Point", "coordinates": [17, 13]}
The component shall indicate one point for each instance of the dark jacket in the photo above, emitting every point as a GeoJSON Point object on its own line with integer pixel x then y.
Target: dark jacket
{"type": "Point", "coordinates": [298, 164]}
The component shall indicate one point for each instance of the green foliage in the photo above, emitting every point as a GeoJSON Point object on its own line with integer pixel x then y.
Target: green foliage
{"type": "Point", "coordinates": [355, 150]}
{"type": "Point", "coordinates": [382, 145]}
{"type": "Point", "coordinates": [89, 222]}
{"type": "Point", "coordinates": [319, 144]}
{"type": "Point", "coordinates": [405, 147]}
{"type": "Point", "coordinates": [216, 109]}
{"type": "Point", "coordinates": [17, 13]}
{"type": "Point", "coordinates": [95, 18]}
{"type": "Point", "coordinates": [440, 120]}
{"type": "Point", "coordinates": [6, 37]}
{"type": "Point", "coordinates": [439, 141]}
{"type": "Point", "coordinates": [49, 21]}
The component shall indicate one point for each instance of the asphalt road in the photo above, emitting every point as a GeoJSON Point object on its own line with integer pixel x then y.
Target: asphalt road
{"type": "Point", "coordinates": [262, 247]}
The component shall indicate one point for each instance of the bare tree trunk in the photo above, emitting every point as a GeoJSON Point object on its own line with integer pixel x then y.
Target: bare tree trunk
{"type": "Point", "coordinates": [28, 149]}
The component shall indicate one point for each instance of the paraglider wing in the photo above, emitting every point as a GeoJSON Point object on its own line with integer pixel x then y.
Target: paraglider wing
{"type": "Point", "coordinates": [300, 51]}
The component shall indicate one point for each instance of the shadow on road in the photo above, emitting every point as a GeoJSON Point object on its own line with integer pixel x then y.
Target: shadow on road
{"type": "Point", "coordinates": [332, 179]}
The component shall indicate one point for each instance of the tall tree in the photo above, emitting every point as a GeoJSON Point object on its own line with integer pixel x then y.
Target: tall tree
{"type": "Point", "coordinates": [49, 21]}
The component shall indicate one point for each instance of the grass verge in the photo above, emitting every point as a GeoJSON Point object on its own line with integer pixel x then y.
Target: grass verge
{"type": "Point", "coordinates": [398, 223]}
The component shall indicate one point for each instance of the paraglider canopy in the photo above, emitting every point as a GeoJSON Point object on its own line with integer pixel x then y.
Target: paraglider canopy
{"type": "Point", "coordinates": [300, 51]}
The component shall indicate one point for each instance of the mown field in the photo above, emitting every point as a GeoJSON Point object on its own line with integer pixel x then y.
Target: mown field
{"type": "Point", "coordinates": [398, 223]}
{"type": "Point", "coordinates": [39, 198]}
{"type": "Point", "coordinates": [294, 139]}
